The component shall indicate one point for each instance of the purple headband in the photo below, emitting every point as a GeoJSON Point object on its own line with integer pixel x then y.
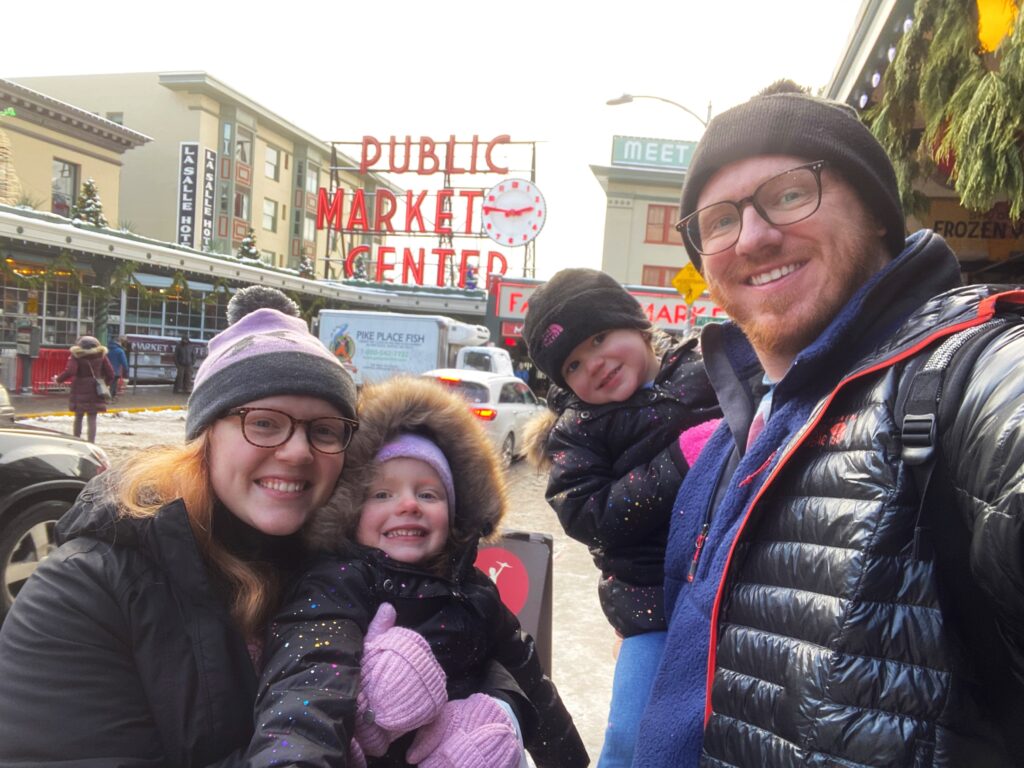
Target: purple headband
{"type": "Point", "coordinates": [409, 446]}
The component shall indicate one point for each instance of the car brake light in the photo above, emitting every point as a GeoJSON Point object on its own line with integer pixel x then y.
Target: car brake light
{"type": "Point", "coordinates": [487, 414]}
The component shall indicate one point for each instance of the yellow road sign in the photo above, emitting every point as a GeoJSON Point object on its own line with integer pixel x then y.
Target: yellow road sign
{"type": "Point", "coordinates": [689, 283]}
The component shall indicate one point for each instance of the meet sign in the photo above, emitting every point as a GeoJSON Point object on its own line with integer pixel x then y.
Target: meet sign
{"type": "Point", "coordinates": [663, 154]}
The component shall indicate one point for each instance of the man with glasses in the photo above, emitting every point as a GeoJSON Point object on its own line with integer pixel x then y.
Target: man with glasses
{"type": "Point", "coordinates": [817, 616]}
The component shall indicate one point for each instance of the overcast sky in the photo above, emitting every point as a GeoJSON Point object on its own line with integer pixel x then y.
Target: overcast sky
{"type": "Point", "coordinates": [540, 70]}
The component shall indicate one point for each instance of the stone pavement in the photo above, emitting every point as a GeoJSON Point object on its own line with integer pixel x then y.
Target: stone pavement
{"type": "Point", "coordinates": [144, 397]}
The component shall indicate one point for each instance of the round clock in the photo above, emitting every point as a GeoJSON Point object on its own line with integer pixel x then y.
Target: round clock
{"type": "Point", "coordinates": [513, 212]}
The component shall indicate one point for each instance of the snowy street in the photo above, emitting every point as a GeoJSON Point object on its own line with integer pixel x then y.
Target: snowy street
{"type": "Point", "coordinates": [582, 642]}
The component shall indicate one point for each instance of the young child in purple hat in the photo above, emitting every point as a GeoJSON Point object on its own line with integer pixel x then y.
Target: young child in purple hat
{"type": "Point", "coordinates": [347, 681]}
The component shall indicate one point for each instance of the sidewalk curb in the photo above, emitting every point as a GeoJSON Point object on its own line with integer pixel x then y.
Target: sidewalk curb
{"type": "Point", "coordinates": [138, 409]}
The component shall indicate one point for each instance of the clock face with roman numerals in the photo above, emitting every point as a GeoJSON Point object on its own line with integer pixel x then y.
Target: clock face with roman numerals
{"type": "Point", "coordinates": [513, 212]}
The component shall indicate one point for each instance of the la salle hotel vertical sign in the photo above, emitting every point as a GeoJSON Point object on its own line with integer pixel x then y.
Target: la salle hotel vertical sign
{"type": "Point", "coordinates": [195, 217]}
{"type": "Point", "coordinates": [188, 174]}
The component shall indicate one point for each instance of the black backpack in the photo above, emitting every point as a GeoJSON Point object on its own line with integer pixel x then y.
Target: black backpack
{"type": "Point", "coordinates": [927, 402]}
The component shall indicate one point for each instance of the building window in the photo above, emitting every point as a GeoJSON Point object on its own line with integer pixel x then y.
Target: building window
{"type": "Point", "coordinates": [242, 205]}
{"type": "Point", "coordinates": [312, 179]}
{"type": "Point", "coordinates": [64, 187]}
{"type": "Point", "coordinates": [116, 117]}
{"type": "Point", "coordinates": [243, 147]}
{"type": "Point", "coordinates": [661, 221]}
{"type": "Point", "coordinates": [309, 229]}
{"type": "Point", "coordinates": [268, 258]}
{"type": "Point", "coordinates": [270, 215]}
{"type": "Point", "coordinates": [226, 146]}
{"type": "Point", "coordinates": [660, 276]}
{"type": "Point", "coordinates": [272, 163]}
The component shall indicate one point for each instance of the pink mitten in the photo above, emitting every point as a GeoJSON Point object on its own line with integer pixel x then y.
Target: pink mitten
{"type": "Point", "coordinates": [692, 440]}
{"type": "Point", "coordinates": [402, 685]}
{"type": "Point", "coordinates": [470, 733]}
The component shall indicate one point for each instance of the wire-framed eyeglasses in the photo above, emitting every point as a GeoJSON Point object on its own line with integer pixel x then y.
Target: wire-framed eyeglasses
{"type": "Point", "coordinates": [787, 198]}
{"type": "Point", "coordinates": [269, 428]}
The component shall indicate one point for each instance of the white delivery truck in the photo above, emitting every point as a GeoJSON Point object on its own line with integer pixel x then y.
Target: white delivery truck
{"type": "Point", "coordinates": [489, 359]}
{"type": "Point", "coordinates": [375, 345]}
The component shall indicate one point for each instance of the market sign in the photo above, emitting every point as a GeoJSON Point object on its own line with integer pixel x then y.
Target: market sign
{"type": "Point", "coordinates": [665, 308]}
{"type": "Point", "coordinates": [652, 153]}
{"type": "Point", "coordinates": [420, 213]}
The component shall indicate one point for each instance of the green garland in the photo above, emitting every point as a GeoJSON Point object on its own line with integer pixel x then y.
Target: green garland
{"type": "Point", "coordinates": [971, 105]}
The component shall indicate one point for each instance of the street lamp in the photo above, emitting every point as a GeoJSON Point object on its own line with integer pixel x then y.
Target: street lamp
{"type": "Point", "coordinates": [627, 98]}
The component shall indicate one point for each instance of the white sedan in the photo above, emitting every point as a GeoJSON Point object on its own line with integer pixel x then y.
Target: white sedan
{"type": "Point", "coordinates": [503, 405]}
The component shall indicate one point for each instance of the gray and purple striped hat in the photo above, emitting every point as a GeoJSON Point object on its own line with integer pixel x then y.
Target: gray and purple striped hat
{"type": "Point", "coordinates": [266, 351]}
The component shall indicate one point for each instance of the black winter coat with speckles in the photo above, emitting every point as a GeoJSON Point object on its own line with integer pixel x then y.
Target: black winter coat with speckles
{"type": "Point", "coordinates": [307, 695]}
{"type": "Point", "coordinates": [615, 471]}
{"type": "Point", "coordinates": [309, 686]}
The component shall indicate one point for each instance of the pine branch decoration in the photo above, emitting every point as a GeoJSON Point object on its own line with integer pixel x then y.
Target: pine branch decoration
{"type": "Point", "coordinates": [970, 105]}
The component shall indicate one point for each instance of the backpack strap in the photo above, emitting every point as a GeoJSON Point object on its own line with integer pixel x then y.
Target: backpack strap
{"type": "Point", "coordinates": [926, 406]}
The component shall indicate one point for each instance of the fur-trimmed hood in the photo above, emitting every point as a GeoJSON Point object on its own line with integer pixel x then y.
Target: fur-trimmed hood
{"type": "Point", "coordinates": [419, 405]}
{"type": "Point", "coordinates": [80, 353]}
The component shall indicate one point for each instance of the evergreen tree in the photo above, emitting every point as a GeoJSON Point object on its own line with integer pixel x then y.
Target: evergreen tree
{"type": "Point", "coordinates": [247, 250]}
{"type": "Point", "coordinates": [960, 67]}
{"type": "Point", "coordinates": [88, 208]}
{"type": "Point", "coordinates": [306, 269]}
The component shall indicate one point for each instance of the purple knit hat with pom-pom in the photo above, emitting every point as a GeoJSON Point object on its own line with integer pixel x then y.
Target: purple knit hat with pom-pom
{"type": "Point", "coordinates": [267, 350]}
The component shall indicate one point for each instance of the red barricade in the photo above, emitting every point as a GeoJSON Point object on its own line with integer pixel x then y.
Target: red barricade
{"type": "Point", "coordinates": [49, 363]}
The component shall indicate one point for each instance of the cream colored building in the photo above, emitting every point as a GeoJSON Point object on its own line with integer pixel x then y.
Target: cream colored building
{"type": "Point", "coordinates": [642, 184]}
{"type": "Point", "coordinates": [49, 148]}
{"type": "Point", "coordinates": [219, 163]}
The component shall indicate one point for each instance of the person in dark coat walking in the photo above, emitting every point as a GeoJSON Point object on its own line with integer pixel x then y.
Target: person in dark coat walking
{"type": "Point", "coordinates": [184, 361]}
{"type": "Point", "coordinates": [137, 643]}
{"type": "Point", "coordinates": [118, 361]}
{"type": "Point", "coordinates": [87, 365]}
{"type": "Point", "coordinates": [422, 487]}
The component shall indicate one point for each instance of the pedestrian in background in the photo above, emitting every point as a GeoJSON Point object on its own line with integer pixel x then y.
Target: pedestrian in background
{"type": "Point", "coordinates": [138, 641]}
{"type": "Point", "coordinates": [87, 365]}
{"type": "Point", "coordinates": [184, 360]}
{"type": "Point", "coordinates": [119, 362]}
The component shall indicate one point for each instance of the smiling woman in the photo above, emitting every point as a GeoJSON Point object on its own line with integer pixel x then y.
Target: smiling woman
{"type": "Point", "coordinates": [170, 566]}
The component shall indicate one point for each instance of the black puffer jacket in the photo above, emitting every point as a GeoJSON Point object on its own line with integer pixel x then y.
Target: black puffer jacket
{"type": "Point", "coordinates": [119, 653]}
{"type": "Point", "coordinates": [308, 690]}
{"type": "Point", "coordinates": [615, 471]}
{"type": "Point", "coordinates": [831, 643]}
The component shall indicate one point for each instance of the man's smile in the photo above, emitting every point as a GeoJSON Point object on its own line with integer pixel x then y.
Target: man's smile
{"type": "Point", "coordinates": [764, 278]}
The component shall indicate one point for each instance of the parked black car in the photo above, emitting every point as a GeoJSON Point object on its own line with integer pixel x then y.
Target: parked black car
{"type": "Point", "coordinates": [41, 474]}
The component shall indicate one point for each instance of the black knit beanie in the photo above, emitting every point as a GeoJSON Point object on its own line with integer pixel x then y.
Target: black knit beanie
{"type": "Point", "coordinates": [570, 307]}
{"type": "Point", "coordinates": [803, 126]}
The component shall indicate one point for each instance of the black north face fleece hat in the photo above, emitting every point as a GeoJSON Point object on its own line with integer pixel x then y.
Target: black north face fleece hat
{"type": "Point", "coordinates": [803, 126]}
{"type": "Point", "coordinates": [570, 307]}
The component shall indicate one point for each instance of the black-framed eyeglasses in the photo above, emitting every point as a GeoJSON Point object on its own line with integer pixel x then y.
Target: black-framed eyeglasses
{"type": "Point", "coordinates": [269, 428]}
{"type": "Point", "coordinates": [787, 198]}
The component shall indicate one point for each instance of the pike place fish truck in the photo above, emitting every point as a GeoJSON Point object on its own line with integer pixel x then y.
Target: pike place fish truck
{"type": "Point", "coordinates": [376, 345]}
